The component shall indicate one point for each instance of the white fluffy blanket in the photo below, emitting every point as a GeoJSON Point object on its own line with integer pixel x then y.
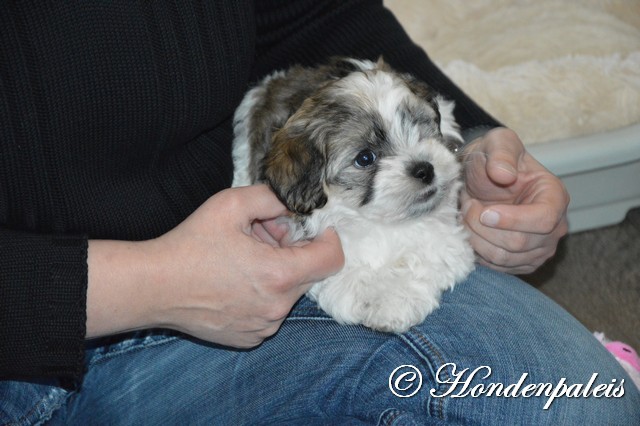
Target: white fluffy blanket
{"type": "Point", "coordinates": [549, 69]}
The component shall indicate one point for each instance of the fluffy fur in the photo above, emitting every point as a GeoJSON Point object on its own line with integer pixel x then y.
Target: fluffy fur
{"type": "Point", "coordinates": [371, 152]}
{"type": "Point", "coordinates": [549, 69]}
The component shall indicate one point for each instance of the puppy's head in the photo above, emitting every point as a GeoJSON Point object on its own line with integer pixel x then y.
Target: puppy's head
{"type": "Point", "coordinates": [369, 138]}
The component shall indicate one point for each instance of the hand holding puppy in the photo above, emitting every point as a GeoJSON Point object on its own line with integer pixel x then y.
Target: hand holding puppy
{"type": "Point", "coordinates": [514, 208]}
{"type": "Point", "coordinates": [224, 275]}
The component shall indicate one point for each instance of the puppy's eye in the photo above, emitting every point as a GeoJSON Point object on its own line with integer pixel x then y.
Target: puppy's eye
{"type": "Point", "coordinates": [454, 145]}
{"type": "Point", "coordinates": [365, 158]}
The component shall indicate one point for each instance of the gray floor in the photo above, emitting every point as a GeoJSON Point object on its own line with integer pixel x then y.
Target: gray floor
{"type": "Point", "coordinates": [595, 275]}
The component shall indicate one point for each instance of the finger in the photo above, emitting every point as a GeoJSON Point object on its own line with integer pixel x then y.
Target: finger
{"type": "Point", "coordinates": [514, 263]}
{"type": "Point", "coordinates": [260, 232]}
{"type": "Point", "coordinates": [258, 202]}
{"type": "Point", "coordinates": [512, 241]}
{"type": "Point", "coordinates": [543, 209]}
{"type": "Point", "coordinates": [539, 218]}
{"type": "Point", "coordinates": [319, 259]}
{"type": "Point", "coordinates": [523, 270]}
{"type": "Point", "coordinates": [270, 231]}
{"type": "Point", "coordinates": [539, 212]}
{"type": "Point", "coordinates": [277, 228]}
{"type": "Point", "coordinates": [263, 203]}
{"type": "Point", "coordinates": [504, 150]}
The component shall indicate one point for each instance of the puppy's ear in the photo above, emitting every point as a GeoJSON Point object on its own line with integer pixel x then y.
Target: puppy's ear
{"type": "Point", "coordinates": [443, 109]}
{"type": "Point", "coordinates": [340, 67]}
{"type": "Point", "coordinates": [382, 65]}
{"type": "Point", "coordinates": [448, 127]}
{"type": "Point", "coordinates": [294, 168]}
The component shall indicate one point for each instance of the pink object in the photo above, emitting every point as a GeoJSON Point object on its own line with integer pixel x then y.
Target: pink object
{"type": "Point", "coordinates": [624, 352]}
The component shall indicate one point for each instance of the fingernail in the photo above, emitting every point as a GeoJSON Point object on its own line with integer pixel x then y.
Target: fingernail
{"type": "Point", "coordinates": [490, 218]}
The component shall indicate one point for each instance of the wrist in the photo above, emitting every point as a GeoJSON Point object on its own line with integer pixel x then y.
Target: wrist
{"type": "Point", "coordinates": [120, 291]}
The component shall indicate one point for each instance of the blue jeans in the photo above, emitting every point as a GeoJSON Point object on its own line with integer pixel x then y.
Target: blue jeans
{"type": "Point", "coordinates": [315, 371]}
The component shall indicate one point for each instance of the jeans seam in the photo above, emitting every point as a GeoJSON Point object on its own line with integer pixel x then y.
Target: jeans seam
{"type": "Point", "coordinates": [309, 318]}
{"type": "Point", "coordinates": [388, 416]}
{"type": "Point", "coordinates": [99, 358]}
{"type": "Point", "coordinates": [43, 409]}
{"type": "Point", "coordinates": [432, 355]}
{"type": "Point", "coordinates": [417, 342]}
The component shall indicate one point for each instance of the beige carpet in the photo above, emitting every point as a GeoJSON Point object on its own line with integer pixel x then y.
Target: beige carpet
{"type": "Point", "coordinates": [596, 277]}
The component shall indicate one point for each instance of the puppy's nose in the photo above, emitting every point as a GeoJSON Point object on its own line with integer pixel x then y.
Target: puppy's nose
{"type": "Point", "coordinates": [424, 172]}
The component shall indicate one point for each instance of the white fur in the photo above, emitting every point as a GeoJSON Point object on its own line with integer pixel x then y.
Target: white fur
{"type": "Point", "coordinates": [448, 125]}
{"type": "Point", "coordinates": [394, 273]}
{"type": "Point", "coordinates": [397, 263]}
{"type": "Point", "coordinates": [242, 123]}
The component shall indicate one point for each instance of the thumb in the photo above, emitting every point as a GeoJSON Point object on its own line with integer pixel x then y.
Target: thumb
{"type": "Point", "coordinates": [250, 203]}
{"type": "Point", "coordinates": [322, 257]}
{"type": "Point", "coordinates": [504, 151]}
{"type": "Point", "coordinates": [263, 203]}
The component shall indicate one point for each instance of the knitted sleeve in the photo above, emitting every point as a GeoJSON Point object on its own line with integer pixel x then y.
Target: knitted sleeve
{"type": "Point", "coordinates": [309, 31]}
{"type": "Point", "coordinates": [42, 316]}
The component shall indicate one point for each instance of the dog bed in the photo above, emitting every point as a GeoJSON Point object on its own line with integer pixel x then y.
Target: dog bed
{"type": "Point", "coordinates": [564, 75]}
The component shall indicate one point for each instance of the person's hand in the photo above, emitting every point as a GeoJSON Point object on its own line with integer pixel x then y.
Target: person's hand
{"type": "Point", "coordinates": [514, 208]}
{"type": "Point", "coordinates": [226, 274]}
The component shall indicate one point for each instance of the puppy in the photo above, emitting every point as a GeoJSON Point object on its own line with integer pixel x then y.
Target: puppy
{"type": "Point", "coordinates": [356, 146]}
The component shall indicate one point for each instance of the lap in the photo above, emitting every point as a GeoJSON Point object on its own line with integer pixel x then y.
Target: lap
{"type": "Point", "coordinates": [314, 371]}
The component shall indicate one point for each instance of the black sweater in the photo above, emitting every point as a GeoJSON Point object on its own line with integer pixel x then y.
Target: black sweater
{"type": "Point", "coordinates": [115, 123]}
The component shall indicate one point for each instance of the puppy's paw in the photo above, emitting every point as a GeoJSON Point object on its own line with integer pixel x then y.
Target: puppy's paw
{"type": "Point", "coordinates": [393, 313]}
{"type": "Point", "coordinates": [378, 301]}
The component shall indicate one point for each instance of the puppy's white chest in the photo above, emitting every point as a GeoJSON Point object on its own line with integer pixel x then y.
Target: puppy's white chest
{"type": "Point", "coordinates": [394, 274]}
{"type": "Point", "coordinates": [377, 246]}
